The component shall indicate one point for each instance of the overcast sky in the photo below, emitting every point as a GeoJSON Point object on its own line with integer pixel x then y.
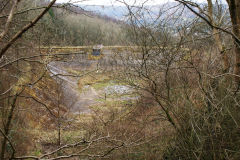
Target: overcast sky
{"type": "Point", "coordinates": [113, 2]}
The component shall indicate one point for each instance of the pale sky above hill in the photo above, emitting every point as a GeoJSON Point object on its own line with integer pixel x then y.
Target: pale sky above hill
{"type": "Point", "coordinates": [113, 2]}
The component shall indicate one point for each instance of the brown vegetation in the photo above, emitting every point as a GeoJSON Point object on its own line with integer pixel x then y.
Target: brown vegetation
{"type": "Point", "coordinates": [184, 100]}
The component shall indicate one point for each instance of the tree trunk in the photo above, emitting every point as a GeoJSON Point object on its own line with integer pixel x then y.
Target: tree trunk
{"type": "Point", "coordinates": [7, 127]}
{"type": "Point", "coordinates": [217, 38]}
{"type": "Point", "coordinates": [234, 9]}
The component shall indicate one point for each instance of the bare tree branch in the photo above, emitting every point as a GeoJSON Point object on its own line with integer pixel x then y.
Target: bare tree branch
{"type": "Point", "coordinates": [186, 3]}
{"type": "Point", "coordinates": [25, 28]}
{"type": "Point", "coordinates": [9, 20]}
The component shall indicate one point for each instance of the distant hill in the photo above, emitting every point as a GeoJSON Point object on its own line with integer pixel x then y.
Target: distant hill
{"type": "Point", "coordinates": [121, 12]}
{"type": "Point", "coordinates": [116, 12]}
